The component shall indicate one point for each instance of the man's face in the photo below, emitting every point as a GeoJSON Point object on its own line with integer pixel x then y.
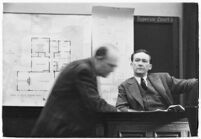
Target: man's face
{"type": "Point", "coordinates": [108, 65]}
{"type": "Point", "coordinates": [141, 64]}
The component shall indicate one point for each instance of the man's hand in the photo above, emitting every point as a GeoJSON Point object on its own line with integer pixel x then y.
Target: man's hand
{"type": "Point", "coordinates": [160, 110]}
{"type": "Point", "coordinates": [132, 110]}
{"type": "Point", "coordinates": [118, 110]}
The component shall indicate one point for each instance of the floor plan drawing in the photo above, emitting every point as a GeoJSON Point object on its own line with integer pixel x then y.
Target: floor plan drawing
{"type": "Point", "coordinates": [36, 47]}
{"type": "Point", "coordinates": [48, 57]}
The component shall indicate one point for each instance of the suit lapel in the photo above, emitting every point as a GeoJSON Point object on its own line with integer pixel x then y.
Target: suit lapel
{"type": "Point", "coordinates": [159, 87]}
{"type": "Point", "coordinates": [135, 91]}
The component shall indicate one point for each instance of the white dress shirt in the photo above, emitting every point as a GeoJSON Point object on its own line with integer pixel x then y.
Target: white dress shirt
{"type": "Point", "coordinates": [139, 79]}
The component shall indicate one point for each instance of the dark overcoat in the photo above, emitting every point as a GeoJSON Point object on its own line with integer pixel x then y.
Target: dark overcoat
{"type": "Point", "coordinates": [71, 107]}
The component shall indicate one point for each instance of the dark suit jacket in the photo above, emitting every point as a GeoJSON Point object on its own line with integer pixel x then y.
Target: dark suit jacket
{"type": "Point", "coordinates": [129, 96]}
{"type": "Point", "coordinates": [73, 102]}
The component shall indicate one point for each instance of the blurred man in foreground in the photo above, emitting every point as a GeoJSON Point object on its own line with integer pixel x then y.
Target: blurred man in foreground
{"type": "Point", "coordinates": [71, 108]}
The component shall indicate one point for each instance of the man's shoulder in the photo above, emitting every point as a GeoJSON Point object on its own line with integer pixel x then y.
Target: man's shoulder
{"type": "Point", "coordinates": [84, 64]}
{"type": "Point", "coordinates": [159, 74]}
{"type": "Point", "coordinates": [129, 80]}
{"type": "Point", "coordinates": [77, 66]}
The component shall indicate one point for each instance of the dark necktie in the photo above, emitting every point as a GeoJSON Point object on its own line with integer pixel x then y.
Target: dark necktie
{"type": "Point", "coordinates": [143, 84]}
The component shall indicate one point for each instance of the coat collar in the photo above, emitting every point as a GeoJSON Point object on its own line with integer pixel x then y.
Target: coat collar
{"type": "Point", "coordinates": [91, 64]}
{"type": "Point", "coordinates": [156, 83]}
{"type": "Point", "coordinates": [133, 84]}
{"type": "Point", "coordinates": [132, 80]}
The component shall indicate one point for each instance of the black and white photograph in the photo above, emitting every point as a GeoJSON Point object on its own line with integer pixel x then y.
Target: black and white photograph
{"type": "Point", "coordinates": [100, 69]}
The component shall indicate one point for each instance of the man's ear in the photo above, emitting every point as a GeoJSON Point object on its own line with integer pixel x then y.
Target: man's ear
{"type": "Point", "coordinates": [100, 57]}
{"type": "Point", "coordinates": [150, 66]}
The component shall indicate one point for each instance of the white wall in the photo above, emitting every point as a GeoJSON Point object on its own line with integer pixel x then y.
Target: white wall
{"type": "Point", "coordinates": [141, 9]}
{"type": "Point", "coordinates": [146, 9]}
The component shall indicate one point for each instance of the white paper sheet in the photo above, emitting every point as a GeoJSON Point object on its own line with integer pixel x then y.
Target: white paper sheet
{"type": "Point", "coordinates": [35, 48]}
{"type": "Point", "coordinates": [116, 26]}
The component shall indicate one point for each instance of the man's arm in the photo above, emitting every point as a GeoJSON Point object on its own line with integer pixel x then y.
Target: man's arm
{"type": "Point", "coordinates": [187, 86]}
{"type": "Point", "coordinates": [180, 85]}
{"type": "Point", "coordinates": [192, 96]}
{"type": "Point", "coordinates": [87, 88]}
{"type": "Point", "coordinates": [122, 102]}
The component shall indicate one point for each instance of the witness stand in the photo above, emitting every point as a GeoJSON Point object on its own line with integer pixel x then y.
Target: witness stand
{"type": "Point", "coordinates": [147, 124]}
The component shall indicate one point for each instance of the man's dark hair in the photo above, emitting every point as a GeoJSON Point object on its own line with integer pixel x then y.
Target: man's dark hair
{"type": "Point", "coordinates": [101, 52]}
{"type": "Point", "coordinates": [139, 51]}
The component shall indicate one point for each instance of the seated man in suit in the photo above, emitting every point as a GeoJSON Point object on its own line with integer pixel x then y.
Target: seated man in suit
{"type": "Point", "coordinates": [150, 92]}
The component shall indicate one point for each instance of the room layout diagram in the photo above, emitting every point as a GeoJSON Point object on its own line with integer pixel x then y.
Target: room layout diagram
{"type": "Point", "coordinates": [48, 57]}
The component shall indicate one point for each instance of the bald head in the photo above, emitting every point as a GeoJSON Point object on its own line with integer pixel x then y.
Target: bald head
{"type": "Point", "coordinates": [106, 58]}
{"type": "Point", "coordinates": [105, 50]}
